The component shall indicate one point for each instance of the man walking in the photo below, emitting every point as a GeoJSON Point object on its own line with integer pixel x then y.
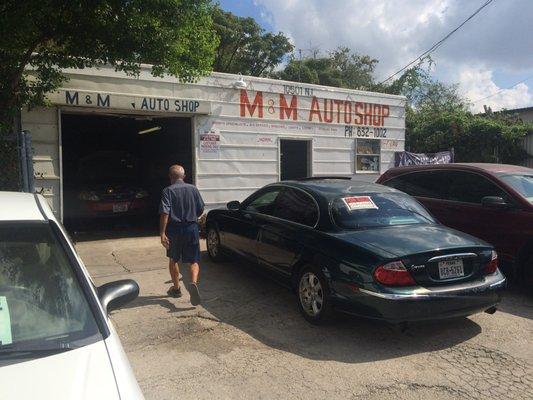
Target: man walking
{"type": "Point", "coordinates": [181, 206]}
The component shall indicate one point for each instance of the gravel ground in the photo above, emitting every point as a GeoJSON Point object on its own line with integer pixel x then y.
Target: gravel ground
{"type": "Point", "coordinates": [248, 340]}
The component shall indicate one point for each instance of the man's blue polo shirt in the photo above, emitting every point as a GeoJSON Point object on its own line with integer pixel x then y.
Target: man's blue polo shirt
{"type": "Point", "coordinates": [183, 204]}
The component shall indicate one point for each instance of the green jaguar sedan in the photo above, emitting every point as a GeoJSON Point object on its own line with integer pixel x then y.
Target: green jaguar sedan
{"type": "Point", "coordinates": [360, 248]}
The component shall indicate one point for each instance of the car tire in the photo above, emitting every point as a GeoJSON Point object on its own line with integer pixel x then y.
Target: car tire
{"type": "Point", "coordinates": [213, 244]}
{"type": "Point", "coordinates": [313, 295]}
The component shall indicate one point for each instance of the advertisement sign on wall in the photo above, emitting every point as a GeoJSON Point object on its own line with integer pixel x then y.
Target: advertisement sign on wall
{"type": "Point", "coordinates": [210, 144]}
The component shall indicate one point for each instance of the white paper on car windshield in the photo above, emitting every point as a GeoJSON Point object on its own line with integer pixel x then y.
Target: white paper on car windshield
{"type": "Point", "coordinates": [359, 203]}
{"type": "Point", "coordinates": [5, 322]}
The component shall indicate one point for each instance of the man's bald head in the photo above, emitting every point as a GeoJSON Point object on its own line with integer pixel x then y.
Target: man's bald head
{"type": "Point", "coordinates": [176, 172]}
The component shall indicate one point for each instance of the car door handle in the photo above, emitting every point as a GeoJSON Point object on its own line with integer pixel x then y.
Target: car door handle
{"type": "Point", "coordinates": [248, 216]}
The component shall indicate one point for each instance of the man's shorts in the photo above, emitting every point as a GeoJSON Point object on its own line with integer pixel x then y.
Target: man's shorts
{"type": "Point", "coordinates": [184, 243]}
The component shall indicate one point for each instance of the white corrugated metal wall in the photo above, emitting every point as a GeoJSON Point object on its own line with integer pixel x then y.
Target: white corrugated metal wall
{"type": "Point", "coordinates": [248, 155]}
{"type": "Point", "coordinates": [43, 124]}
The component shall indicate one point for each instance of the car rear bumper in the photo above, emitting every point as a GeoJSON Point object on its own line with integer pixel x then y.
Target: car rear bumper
{"type": "Point", "coordinates": [419, 304]}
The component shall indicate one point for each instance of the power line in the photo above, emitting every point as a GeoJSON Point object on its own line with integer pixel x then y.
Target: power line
{"type": "Point", "coordinates": [440, 42]}
{"type": "Point", "coordinates": [501, 90]}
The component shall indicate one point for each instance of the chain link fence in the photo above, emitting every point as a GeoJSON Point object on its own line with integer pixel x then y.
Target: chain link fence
{"type": "Point", "coordinates": [10, 178]}
{"type": "Point", "coordinates": [16, 163]}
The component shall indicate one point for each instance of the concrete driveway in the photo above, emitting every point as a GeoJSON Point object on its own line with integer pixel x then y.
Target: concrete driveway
{"type": "Point", "coordinates": [248, 341]}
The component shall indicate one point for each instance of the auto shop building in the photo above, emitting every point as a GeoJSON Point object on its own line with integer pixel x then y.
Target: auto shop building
{"type": "Point", "coordinates": [233, 134]}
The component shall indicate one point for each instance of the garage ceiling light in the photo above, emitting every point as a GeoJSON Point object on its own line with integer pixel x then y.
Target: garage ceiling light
{"type": "Point", "coordinates": [154, 129]}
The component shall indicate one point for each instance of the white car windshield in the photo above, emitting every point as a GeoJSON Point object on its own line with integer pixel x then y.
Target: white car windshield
{"type": "Point", "coordinates": [523, 184]}
{"type": "Point", "coordinates": [42, 306]}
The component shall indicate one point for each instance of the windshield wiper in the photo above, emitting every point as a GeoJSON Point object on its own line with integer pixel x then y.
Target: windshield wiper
{"type": "Point", "coordinates": [22, 352]}
{"type": "Point", "coordinates": [10, 349]}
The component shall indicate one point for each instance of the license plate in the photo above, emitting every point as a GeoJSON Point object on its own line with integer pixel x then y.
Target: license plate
{"type": "Point", "coordinates": [451, 269]}
{"type": "Point", "coordinates": [120, 207]}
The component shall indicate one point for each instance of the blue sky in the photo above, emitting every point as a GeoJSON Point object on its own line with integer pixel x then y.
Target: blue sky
{"type": "Point", "coordinates": [489, 54]}
{"type": "Point", "coordinates": [248, 9]}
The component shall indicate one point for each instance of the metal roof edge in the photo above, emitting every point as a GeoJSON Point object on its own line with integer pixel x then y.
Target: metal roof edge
{"type": "Point", "coordinates": [109, 71]}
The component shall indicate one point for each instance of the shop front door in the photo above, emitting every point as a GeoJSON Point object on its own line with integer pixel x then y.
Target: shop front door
{"type": "Point", "coordinates": [294, 159]}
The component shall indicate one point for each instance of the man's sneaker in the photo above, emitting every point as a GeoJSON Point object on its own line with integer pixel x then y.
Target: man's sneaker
{"type": "Point", "coordinates": [195, 294]}
{"type": "Point", "coordinates": [176, 293]}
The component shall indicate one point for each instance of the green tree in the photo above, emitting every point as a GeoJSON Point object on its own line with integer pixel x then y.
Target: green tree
{"type": "Point", "coordinates": [424, 92]}
{"type": "Point", "coordinates": [438, 118]}
{"type": "Point", "coordinates": [475, 138]}
{"type": "Point", "coordinates": [39, 38]}
{"type": "Point", "coordinates": [340, 68]}
{"type": "Point", "coordinates": [245, 47]}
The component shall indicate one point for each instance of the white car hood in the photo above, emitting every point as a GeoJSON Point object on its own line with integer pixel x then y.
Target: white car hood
{"type": "Point", "coordinates": [79, 374]}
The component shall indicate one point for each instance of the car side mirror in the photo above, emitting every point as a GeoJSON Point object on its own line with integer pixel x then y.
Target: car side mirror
{"type": "Point", "coordinates": [115, 294]}
{"type": "Point", "coordinates": [494, 202]}
{"type": "Point", "coordinates": [234, 205]}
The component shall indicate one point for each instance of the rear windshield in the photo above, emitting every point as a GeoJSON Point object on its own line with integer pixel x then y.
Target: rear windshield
{"type": "Point", "coordinates": [378, 209]}
{"type": "Point", "coordinates": [523, 184]}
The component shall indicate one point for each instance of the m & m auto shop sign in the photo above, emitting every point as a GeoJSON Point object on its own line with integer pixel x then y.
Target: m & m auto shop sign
{"type": "Point", "coordinates": [290, 107]}
{"type": "Point", "coordinates": [76, 98]}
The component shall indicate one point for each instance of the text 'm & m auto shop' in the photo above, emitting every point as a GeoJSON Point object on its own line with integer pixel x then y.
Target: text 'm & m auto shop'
{"type": "Point", "coordinates": [104, 145]}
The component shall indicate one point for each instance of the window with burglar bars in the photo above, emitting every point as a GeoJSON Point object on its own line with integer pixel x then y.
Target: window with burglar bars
{"type": "Point", "coordinates": [367, 155]}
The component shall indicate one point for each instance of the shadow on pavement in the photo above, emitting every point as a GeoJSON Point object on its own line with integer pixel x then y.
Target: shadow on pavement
{"type": "Point", "coordinates": [162, 301]}
{"type": "Point", "coordinates": [517, 301]}
{"type": "Point", "coordinates": [268, 312]}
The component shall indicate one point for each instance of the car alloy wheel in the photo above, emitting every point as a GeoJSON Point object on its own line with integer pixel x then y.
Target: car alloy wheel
{"type": "Point", "coordinates": [212, 243]}
{"type": "Point", "coordinates": [311, 294]}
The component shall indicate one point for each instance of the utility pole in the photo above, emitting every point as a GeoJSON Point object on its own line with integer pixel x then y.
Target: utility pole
{"type": "Point", "coordinates": [300, 66]}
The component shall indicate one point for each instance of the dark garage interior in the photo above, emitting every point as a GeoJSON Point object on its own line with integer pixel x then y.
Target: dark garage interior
{"type": "Point", "coordinates": [115, 166]}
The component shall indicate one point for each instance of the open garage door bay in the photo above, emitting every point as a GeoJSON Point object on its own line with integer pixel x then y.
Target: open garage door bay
{"type": "Point", "coordinates": [115, 166]}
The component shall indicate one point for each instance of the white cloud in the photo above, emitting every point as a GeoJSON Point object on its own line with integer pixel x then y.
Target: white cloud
{"type": "Point", "coordinates": [382, 29]}
{"type": "Point", "coordinates": [478, 84]}
{"type": "Point", "coordinates": [395, 32]}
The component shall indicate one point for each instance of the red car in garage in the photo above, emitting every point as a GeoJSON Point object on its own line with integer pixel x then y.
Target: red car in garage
{"type": "Point", "coordinates": [110, 186]}
{"type": "Point", "coordinates": [491, 201]}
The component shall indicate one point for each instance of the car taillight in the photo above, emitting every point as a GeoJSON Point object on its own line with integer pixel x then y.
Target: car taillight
{"type": "Point", "coordinates": [394, 274]}
{"type": "Point", "coordinates": [492, 265]}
